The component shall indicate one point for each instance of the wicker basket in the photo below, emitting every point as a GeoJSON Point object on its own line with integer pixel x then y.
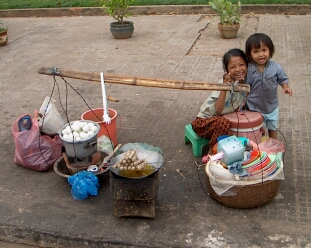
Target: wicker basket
{"type": "Point", "coordinates": [247, 196]}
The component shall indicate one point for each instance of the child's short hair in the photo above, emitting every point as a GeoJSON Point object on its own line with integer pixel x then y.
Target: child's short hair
{"type": "Point", "coordinates": [235, 52]}
{"type": "Point", "coordinates": [255, 40]}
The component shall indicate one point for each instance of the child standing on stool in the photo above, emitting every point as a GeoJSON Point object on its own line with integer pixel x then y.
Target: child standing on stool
{"type": "Point", "coordinates": [264, 76]}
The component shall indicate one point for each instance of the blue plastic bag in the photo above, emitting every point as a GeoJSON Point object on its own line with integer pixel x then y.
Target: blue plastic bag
{"type": "Point", "coordinates": [84, 183]}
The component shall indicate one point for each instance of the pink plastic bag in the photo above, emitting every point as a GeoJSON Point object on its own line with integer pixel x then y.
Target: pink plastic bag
{"type": "Point", "coordinates": [33, 150]}
{"type": "Point", "coordinates": [270, 146]}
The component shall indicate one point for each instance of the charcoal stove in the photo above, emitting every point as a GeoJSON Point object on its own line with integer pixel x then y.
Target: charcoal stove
{"type": "Point", "coordinates": [135, 196]}
{"type": "Point", "coordinates": [73, 165]}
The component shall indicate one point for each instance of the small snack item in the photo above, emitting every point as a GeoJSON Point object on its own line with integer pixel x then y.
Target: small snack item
{"type": "Point", "coordinates": [130, 161]}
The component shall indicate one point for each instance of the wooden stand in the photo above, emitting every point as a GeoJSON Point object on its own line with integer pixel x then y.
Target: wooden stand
{"type": "Point", "coordinates": [134, 197]}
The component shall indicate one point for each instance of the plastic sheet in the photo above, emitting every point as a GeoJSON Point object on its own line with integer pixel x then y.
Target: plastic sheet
{"type": "Point", "coordinates": [270, 146]}
{"type": "Point", "coordinates": [225, 183]}
{"type": "Point", "coordinates": [104, 144]}
{"type": "Point", "coordinates": [51, 121]}
{"type": "Point", "coordinates": [139, 146]}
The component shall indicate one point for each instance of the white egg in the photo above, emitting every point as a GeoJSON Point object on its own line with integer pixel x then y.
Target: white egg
{"type": "Point", "coordinates": [70, 137]}
{"type": "Point", "coordinates": [76, 123]}
{"type": "Point", "coordinates": [76, 128]}
{"type": "Point", "coordinates": [75, 134]}
{"type": "Point", "coordinates": [82, 124]}
{"type": "Point", "coordinates": [84, 136]}
{"type": "Point", "coordinates": [77, 138]}
{"type": "Point", "coordinates": [64, 132]}
{"type": "Point", "coordinates": [90, 124]}
{"type": "Point", "coordinates": [65, 136]}
{"type": "Point", "coordinates": [86, 128]}
{"type": "Point", "coordinates": [94, 128]}
{"type": "Point", "coordinates": [91, 134]}
{"type": "Point", "coordinates": [68, 130]}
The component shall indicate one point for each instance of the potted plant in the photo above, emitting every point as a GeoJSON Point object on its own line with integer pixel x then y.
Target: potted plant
{"type": "Point", "coordinates": [119, 9]}
{"type": "Point", "coordinates": [3, 34]}
{"type": "Point", "coordinates": [229, 14]}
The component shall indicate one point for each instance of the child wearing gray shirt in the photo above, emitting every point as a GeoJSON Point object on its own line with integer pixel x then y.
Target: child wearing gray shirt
{"type": "Point", "coordinates": [264, 76]}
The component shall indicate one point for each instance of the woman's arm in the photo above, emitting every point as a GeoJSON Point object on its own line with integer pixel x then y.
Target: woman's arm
{"type": "Point", "coordinates": [220, 102]}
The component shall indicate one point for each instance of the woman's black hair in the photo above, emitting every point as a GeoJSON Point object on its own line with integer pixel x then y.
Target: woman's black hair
{"type": "Point", "coordinates": [235, 52]}
{"type": "Point", "coordinates": [255, 41]}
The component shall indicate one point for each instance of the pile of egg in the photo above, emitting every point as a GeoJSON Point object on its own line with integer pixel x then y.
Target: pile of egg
{"type": "Point", "coordinates": [79, 131]}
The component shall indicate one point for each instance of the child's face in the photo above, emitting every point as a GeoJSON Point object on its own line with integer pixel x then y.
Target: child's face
{"type": "Point", "coordinates": [260, 55]}
{"type": "Point", "coordinates": [237, 68]}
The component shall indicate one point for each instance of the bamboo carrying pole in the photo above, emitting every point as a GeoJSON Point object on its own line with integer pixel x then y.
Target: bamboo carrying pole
{"type": "Point", "coordinates": [137, 81]}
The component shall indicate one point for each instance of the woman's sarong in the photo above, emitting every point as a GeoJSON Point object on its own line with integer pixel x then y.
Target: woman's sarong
{"type": "Point", "coordinates": [211, 128]}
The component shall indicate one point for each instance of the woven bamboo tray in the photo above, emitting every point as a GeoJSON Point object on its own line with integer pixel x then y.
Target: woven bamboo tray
{"type": "Point", "coordinates": [247, 196]}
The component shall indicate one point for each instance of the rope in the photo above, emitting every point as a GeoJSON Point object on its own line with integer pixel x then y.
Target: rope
{"type": "Point", "coordinates": [65, 110]}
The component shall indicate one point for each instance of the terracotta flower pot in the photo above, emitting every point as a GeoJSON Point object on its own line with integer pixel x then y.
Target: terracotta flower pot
{"type": "Point", "coordinates": [228, 31]}
{"type": "Point", "coordinates": [3, 37]}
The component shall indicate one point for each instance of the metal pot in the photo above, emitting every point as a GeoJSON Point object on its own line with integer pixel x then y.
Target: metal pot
{"type": "Point", "coordinates": [80, 148]}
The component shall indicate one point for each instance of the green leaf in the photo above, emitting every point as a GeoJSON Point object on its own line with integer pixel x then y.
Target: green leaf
{"type": "Point", "coordinates": [229, 13]}
{"type": "Point", "coordinates": [118, 9]}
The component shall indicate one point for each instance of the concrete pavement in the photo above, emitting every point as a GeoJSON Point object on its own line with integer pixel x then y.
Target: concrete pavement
{"type": "Point", "coordinates": [37, 207]}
